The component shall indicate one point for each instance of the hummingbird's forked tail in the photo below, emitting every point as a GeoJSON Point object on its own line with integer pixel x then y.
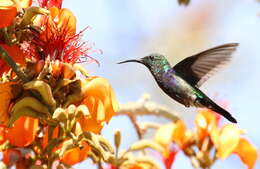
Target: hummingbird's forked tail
{"type": "Point", "coordinates": [216, 108]}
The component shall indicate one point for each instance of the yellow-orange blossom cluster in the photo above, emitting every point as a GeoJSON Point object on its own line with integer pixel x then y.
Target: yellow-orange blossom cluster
{"type": "Point", "coordinates": [58, 41]}
{"type": "Point", "coordinates": [208, 135]}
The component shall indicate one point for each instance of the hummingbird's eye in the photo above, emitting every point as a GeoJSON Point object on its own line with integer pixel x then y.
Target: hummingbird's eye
{"type": "Point", "coordinates": [151, 57]}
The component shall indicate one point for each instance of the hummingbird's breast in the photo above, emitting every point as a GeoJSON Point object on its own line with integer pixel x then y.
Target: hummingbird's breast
{"type": "Point", "coordinates": [177, 88]}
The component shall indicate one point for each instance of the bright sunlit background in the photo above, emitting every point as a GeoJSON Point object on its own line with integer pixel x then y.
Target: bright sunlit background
{"type": "Point", "coordinates": [127, 29]}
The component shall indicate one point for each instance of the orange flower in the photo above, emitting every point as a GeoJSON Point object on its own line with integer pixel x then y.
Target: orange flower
{"type": "Point", "coordinates": [181, 136]}
{"type": "Point", "coordinates": [164, 134]}
{"type": "Point", "coordinates": [101, 102]}
{"type": "Point", "coordinates": [15, 53]}
{"type": "Point", "coordinates": [60, 19]}
{"type": "Point", "coordinates": [8, 10]}
{"type": "Point", "coordinates": [176, 132]}
{"type": "Point", "coordinates": [76, 155]}
{"type": "Point", "coordinates": [5, 97]}
{"type": "Point", "coordinates": [227, 140]}
{"type": "Point", "coordinates": [23, 131]}
{"type": "Point", "coordinates": [205, 122]}
{"type": "Point", "coordinates": [72, 156]}
{"type": "Point", "coordinates": [247, 153]}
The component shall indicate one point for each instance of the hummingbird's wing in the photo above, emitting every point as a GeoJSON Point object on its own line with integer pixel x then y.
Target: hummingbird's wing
{"type": "Point", "coordinates": [198, 68]}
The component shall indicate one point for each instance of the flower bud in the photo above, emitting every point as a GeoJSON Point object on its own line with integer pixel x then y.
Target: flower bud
{"type": "Point", "coordinates": [60, 115]}
{"type": "Point", "coordinates": [82, 110]}
{"type": "Point", "coordinates": [117, 138]}
{"type": "Point", "coordinates": [71, 111]}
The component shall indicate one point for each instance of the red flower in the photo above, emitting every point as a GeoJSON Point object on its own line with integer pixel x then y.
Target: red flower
{"type": "Point", "coordinates": [50, 3]}
{"type": "Point", "coordinates": [59, 40]}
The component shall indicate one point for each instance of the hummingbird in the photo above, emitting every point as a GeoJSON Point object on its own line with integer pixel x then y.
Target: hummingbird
{"type": "Point", "coordinates": [182, 81]}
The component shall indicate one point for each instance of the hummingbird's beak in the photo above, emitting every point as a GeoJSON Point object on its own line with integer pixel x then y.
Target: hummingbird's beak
{"type": "Point", "coordinates": [132, 60]}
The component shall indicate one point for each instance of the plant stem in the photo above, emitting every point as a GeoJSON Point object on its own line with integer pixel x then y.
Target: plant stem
{"type": "Point", "coordinates": [5, 56]}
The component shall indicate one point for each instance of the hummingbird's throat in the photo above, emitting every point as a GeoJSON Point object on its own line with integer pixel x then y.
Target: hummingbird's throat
{"type": "Point", "coordinates": [155, 69]}
{"type": "Point", "coordinates": [166, 67]}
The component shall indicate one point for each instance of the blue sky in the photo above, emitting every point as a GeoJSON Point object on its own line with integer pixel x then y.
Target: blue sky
{"type": "Point", "coordinates": [125, 29]}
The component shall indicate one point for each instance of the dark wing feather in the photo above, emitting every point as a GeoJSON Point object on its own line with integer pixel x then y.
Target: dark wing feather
{"type": "Point", "coordinates": [198, 68]}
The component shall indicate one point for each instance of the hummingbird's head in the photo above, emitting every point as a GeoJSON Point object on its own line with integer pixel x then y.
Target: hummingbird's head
{"type": "Point", "coordinates": [155, 62]}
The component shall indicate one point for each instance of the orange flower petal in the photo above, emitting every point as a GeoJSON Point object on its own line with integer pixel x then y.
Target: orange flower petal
{"type": "Point", "coordinates": [205, 122]}
{"type": "Point", "coordinates": [214, 135]}
{"type": "Point", "coordinates": [25, 3]}
{"type": "Point", "coordinates": [7, 14]}
{"type": "Point", "coordinates": [247, 153]}
{"type": "Point", "coordinates": [17, 55]}
{"type": "Point", "coordinates": [54, 12]}
{"type": "Point", "coordinates": [5, 98]}
{"type": "Point", "coordinates": [101, 112]}
{"type": "Point", "coordinates": [63, 19]}
{"type": "Point", "coordinates": [23, 132]}
{"type": "Point", "coordinates": [2, 134]}
{"type": "Point", "coordinates": [8, 10]}
{"type": "Point", "coordinates": [76, 155]}
{"type": "Point", "coordinates": [228, 140]}
{"type": "Point", "coordinates": [163, 135]}
{"type": "Point", "coordinates": [91, 123]}
{"type": "Point", "coordinates": [101, 102]}
{"type": "Point", "coordinates": [67, 20]}
{"type": "Point", "coordinates": [100, 88]}
{"type": "Point", "coordinates": [181, 135]}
